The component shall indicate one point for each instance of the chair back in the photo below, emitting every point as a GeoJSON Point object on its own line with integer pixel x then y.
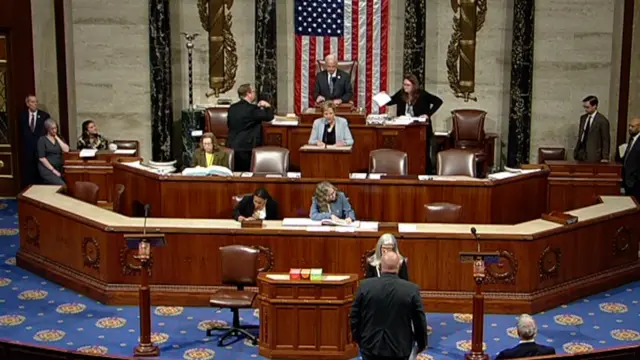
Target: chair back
{"type": "Point", "coordinates": [127, 144]}
{"type": "Point", "coordinates": [550, 153]}
{"type": "Point", "coordinates": [456, 162]}
{"type": "Point", "coordinates": [270, 160]}
{"type": "Point", "coordinates": [388, 161]}
{"type": "Point", "coordinates": [86, 191]}
{"type": "Point", "coordinates": [231, 153]}
{"type": "Point", "coordinates": [443, 213]}
{"type": "Point", "coordinates": [364, 260]}
{"type": "Point", "coordinates": [239, 264]}
{"type": "Point", "coordinates": [117, 198]}
{"type": "Point", "coordinates": [468, 128]}
{"type": "Point", "coordinates": [215, 121]}
{"type": "Point", "coordinates": [350, 67]}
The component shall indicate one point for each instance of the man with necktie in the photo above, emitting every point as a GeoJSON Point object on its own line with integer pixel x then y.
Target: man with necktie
{"type": "Point", "coordinates": [631, 161]}
{"type": "Point", "coordinates": [31, 128]}
{"type": "Point", "coordinates": [332, 84]}
{"type": "Point", "coordinates": [593, 136]}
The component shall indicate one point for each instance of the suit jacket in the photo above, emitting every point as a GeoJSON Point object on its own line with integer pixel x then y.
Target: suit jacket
{"type": "Point", "coordinates": [244, 120]}
{"type": "Point", "coordinates": [373, 272]}
{"type": "Point", "coordinates": [598, 140]}
{"type": "Point", "coordinates": [246, 208]}
{"type": "Point", "coordinates": [29, 138]}
{"type": "Point", "coordinates": [384, 311]}
{"type": "Point", "coordinates": [341, 128]}
{"type": "Point", "coordinates": [340, 208]}
{"type": "Point", "coordinates": [525, 350]}
{"type": "Point", "coordinates": [631, 166]}
{"type": "Point", "coordinates": [341, 89]}
{"type": "Point", "coordinates": [220, 158]}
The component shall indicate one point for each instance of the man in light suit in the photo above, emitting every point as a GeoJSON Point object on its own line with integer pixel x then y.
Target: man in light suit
{"type": "Point", "coordinates": [31, 122]}
{"type": "Point", "coordinates": [631, 161]}
{"type": "Point", "coordinates": [332, 83]}
{"type": "Point", "coordinates": [593, 136]}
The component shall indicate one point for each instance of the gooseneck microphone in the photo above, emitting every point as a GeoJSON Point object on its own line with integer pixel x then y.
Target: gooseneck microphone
{"type": "Point", "coordinates": [147, 209]}
{"type": "Point", "coordinates": [475, 235]}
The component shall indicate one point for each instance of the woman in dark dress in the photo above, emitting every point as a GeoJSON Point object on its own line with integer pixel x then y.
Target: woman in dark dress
{"type": "Point", "coordinates": [50, 149]}
{"type": "Point", "coordinates": [90, 138]}
{"type": "Point", "coordinates": [387, 242]}
{"type": "Point", "coordinates": [259, 206]}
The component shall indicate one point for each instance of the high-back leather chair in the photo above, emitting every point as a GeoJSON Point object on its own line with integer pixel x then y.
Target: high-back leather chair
{"type": "Point", "coordinates": [127, 144]}
{"type": "Point", "coordinates": [468, 133]}
{"type": "Point", "coordinates": [550, 153]}
{"type": "Point", "coordinates": [350, 67]}
{"type": "Point", "coordinates": [118, 197]}
{"type": "Point", "coordinates": [388, 161]}
{"type": "Point", "coordinates": [239, 267]}
{"type": "Point", "coordinates": [270, 160]}
{"type": "Point", "coordinates": [231, 156]}
{"type": "Point", "coordinates": [86, 191]}
{"type": "Point", "coordinates": [456, 162]}
{"type": "Point", "coordinates": [215, 121]}
{"type": "Point", "coordinates": [443, 213]}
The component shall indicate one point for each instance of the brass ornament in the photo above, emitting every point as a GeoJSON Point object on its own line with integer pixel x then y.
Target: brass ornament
{"type": "Point", "coordinates": [621, 240]}
{"type": "Point", "coordinates": [32, 230]}
{"type": "Point", "coordinates": [504, 272]}
{"type": "Point", "coordinates": [469, 18]}
{"type": "Point", "coordinates": [549, 263]}
{"type": "Point", "coordinates": [91, 252]}
{"type": "Point", "coordinates": [130, 264]}
{"type": "Point", "coordinates": [216, 19]}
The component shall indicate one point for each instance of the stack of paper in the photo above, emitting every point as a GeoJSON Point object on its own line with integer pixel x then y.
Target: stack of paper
{"type": "Point", "coordinates": [125, 151]}
{"type": "Point", "coordinates": [382, 98]}
{"type": "Point", "coordinates": [300, 222]}
{"type": "Point", "coordinates": [360, 176]}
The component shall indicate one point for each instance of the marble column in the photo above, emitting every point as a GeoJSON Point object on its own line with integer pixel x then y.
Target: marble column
{"type": "Point", "coordinates": [414, 38]}
{"type": "Point", "coordinates": [521, 83]}
{"type": "Point", "coordinates": [266, 64]}
{"type": "Point", "coordinates": [160, 63]}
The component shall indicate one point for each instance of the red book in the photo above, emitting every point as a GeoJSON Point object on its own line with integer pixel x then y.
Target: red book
{"type": "Point", "coordinates": [294, 274]}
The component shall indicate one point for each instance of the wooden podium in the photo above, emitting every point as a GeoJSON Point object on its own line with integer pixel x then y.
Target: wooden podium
{"type": "Point", "coordinates": [306, 319]}
{"type": "Point", "coordinates": [331, 162]}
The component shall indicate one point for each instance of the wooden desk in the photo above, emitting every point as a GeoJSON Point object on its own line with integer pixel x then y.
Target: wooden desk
{"type": "Point", "coordinates": [507, 201]}
{"type": "Point", "coordinates": [354, 118]}
{"type": "Point", "coordinates": [573, 184]}
{"type": "Point", "coordinates": [411, 139]}
{"type": "Point", "coordinates": [82, 247]}
{"type": "Point", "coordinates": [98, 170]}
{"type": "Point", "coordinates": [304, 319]}
{"type": "Point", "coordinates": [327, 163]}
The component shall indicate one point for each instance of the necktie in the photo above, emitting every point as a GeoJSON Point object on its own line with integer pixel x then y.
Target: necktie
{"type": "Point", "coordinates": [331, 84]}
{"type": "Point", "coordinates": [32, 122]}
{"type": "Point", "coordinates": [587, 126]}
{"type": "Point", "coordinates": [629, 146]}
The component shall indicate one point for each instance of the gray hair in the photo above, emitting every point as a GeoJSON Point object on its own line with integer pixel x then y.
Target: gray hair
{"type": "Point", "coordinates": [527, 328]}
{"type": "Point", "coordinates": [49, 123]}
{"type": "Point", "coordinates": [385, 239]}
{"type": "Point", "coordinates": [331, 57]}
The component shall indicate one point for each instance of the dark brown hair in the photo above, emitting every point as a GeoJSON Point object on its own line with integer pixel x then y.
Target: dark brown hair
{"type": "Point", "coordinates": [411, 98]}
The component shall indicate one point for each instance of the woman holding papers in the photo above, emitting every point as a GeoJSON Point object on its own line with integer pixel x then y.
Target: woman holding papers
{"type": "Point", "coordinates": [209, 153]}
{"type": "Point", "coordinates": [387, 242]}
{"type": "Point", "coordinates": [259, 206]}
{"type": "Point", "coordinates": [330, 129]}
{"type": "Point", "coordinates": [90, 138]}
{"type": "Point", "coordinates": [330, 204]}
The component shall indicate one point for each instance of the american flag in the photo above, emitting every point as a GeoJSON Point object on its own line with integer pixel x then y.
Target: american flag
{"type": "Point", "coordinates": [352, 30]}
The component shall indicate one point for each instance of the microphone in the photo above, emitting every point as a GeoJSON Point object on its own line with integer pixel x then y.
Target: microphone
{"type": "Point", "coordinates": [475, 235]}
{"type": "Point", "coordinates": [147, 209]}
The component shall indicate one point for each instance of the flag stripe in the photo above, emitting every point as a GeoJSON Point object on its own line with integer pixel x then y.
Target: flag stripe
{"type": "Point", "coordinates": [355, 45]}
{"type": "Point", "coordinates": [384, 50]}
{"type": "Point", "coordinates": [327, 47]}
{"type": "Point", "coordinates": [369, 54]}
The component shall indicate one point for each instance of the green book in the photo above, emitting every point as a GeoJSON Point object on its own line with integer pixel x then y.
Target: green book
{"type": "Point", "coordinates": [316, 274]}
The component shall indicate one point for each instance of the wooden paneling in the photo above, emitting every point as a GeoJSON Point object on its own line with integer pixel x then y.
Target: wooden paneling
{"type": "Point", "coordinates": [483, 201]}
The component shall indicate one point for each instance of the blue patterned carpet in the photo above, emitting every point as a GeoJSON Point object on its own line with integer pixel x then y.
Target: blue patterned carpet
{"type": "Point", "coordinates": [36, 311]}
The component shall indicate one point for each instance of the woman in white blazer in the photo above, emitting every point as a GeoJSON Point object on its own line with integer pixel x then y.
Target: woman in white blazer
{"type": "Point", "coordinates": [330, 129]}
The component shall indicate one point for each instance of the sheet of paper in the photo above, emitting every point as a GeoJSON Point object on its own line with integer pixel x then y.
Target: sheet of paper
{"type": "Point", "coordinates": [382, 98]}
{"type": "Point", "coordinates": [294, 175]}
{"type": "Point", "coordinates": [369, 225]}
{"type": "Point", "coordinates": [442, 133]}
{"type": "Point", "coordinates": [402, 120]}
{"type": "Point", "coordinates": [425, 177]}
{"type": "Point", "coordinates": [344, 229]}
{"type": "Point", "coordinates": [622, 149]}
{"type": "Point", "coordinates": [375, 176]}
{"type": "Point", "coordinates": [273, 175]}
{"type": "Point", "coordinates": [300, 222]}
{"type": "Point", "coordinates": [125, 151]}
{"type": "Point", "coordinates": [284, 121]}
{"type": "Point", "coordinates": [339, 147]}
{"type": "Point", "coordinates": [246, 174]}
{"type": "Point", "coordinates": [407, 228]}
{"type": "Point", "coordinates": [196, 133]}
{"type": "Point", "coordinates": [86, 153]}
{"type": "Point", "coordinates": [360, 176]}
{"type": "Point", "coordinates": [318, 228]}
{"type": "Point", "coordinates": [335, 277]}
{"type": "Point", "coordinates": [502, 175]}
{"type": "Point", "coordinates": [278, 276]}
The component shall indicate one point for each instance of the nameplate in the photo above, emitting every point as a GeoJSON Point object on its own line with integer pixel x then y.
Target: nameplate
{"type": "Point", "coordinates": [251, 224]}
{"type": "Point", "coordinates": [560, 218]}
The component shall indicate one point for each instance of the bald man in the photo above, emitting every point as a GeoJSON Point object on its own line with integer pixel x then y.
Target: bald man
{"type": "Point", "coordinates": [387, 316]}
{"type": "Point", "coordinates": [631, 161]}
{"type": "Point", "coordinates": [332, 83]}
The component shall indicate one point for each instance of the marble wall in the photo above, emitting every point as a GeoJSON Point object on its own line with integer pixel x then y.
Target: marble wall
{"type": "Point", "coordinates": [576, 53]}
{"type": "Point", "coordinates": [634, 88]}
{"type": "Point", "coordinates": [44, 55]}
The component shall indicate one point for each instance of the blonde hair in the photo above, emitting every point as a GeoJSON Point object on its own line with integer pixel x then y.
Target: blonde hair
{"type": "Point", "coordinates": [322, 195]}
{"type": "Point", "coordinates": [328, 105]}
{"type": "Point", "coordinates": [385, 239]}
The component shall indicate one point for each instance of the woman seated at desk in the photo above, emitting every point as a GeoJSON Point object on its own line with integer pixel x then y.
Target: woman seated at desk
{"type": "Point", "coordinates": [259, 206]}
{"type": "Point", "coordinates": [209, 153]}
{"type": "Point", "coordinates": [330, 129]}
{"type": "Point", "coordinates": [50, 149]}
{"type": "Point", "coordinates": [90, 138]}
{"type": "Point", "coordinates": [387, 242]}
{"type": "Point", "coordinates": [329, 203]}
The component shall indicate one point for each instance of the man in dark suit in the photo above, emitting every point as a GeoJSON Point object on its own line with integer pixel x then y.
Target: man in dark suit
{"type": "Point", "coordinates": [593, 135]}
{"type": "Point", "coordinates": [631, 161]}
{"type": "Point", "coordinates": [244, 120]}
{"type": "Point", "coordinates": [332, 83]}
{"type": "Point", "coordinates": [31, 129]}
{"type": "Point", "coordinates": [387, 316]}
{"type": "Point", "coordinates": [527, 331]}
